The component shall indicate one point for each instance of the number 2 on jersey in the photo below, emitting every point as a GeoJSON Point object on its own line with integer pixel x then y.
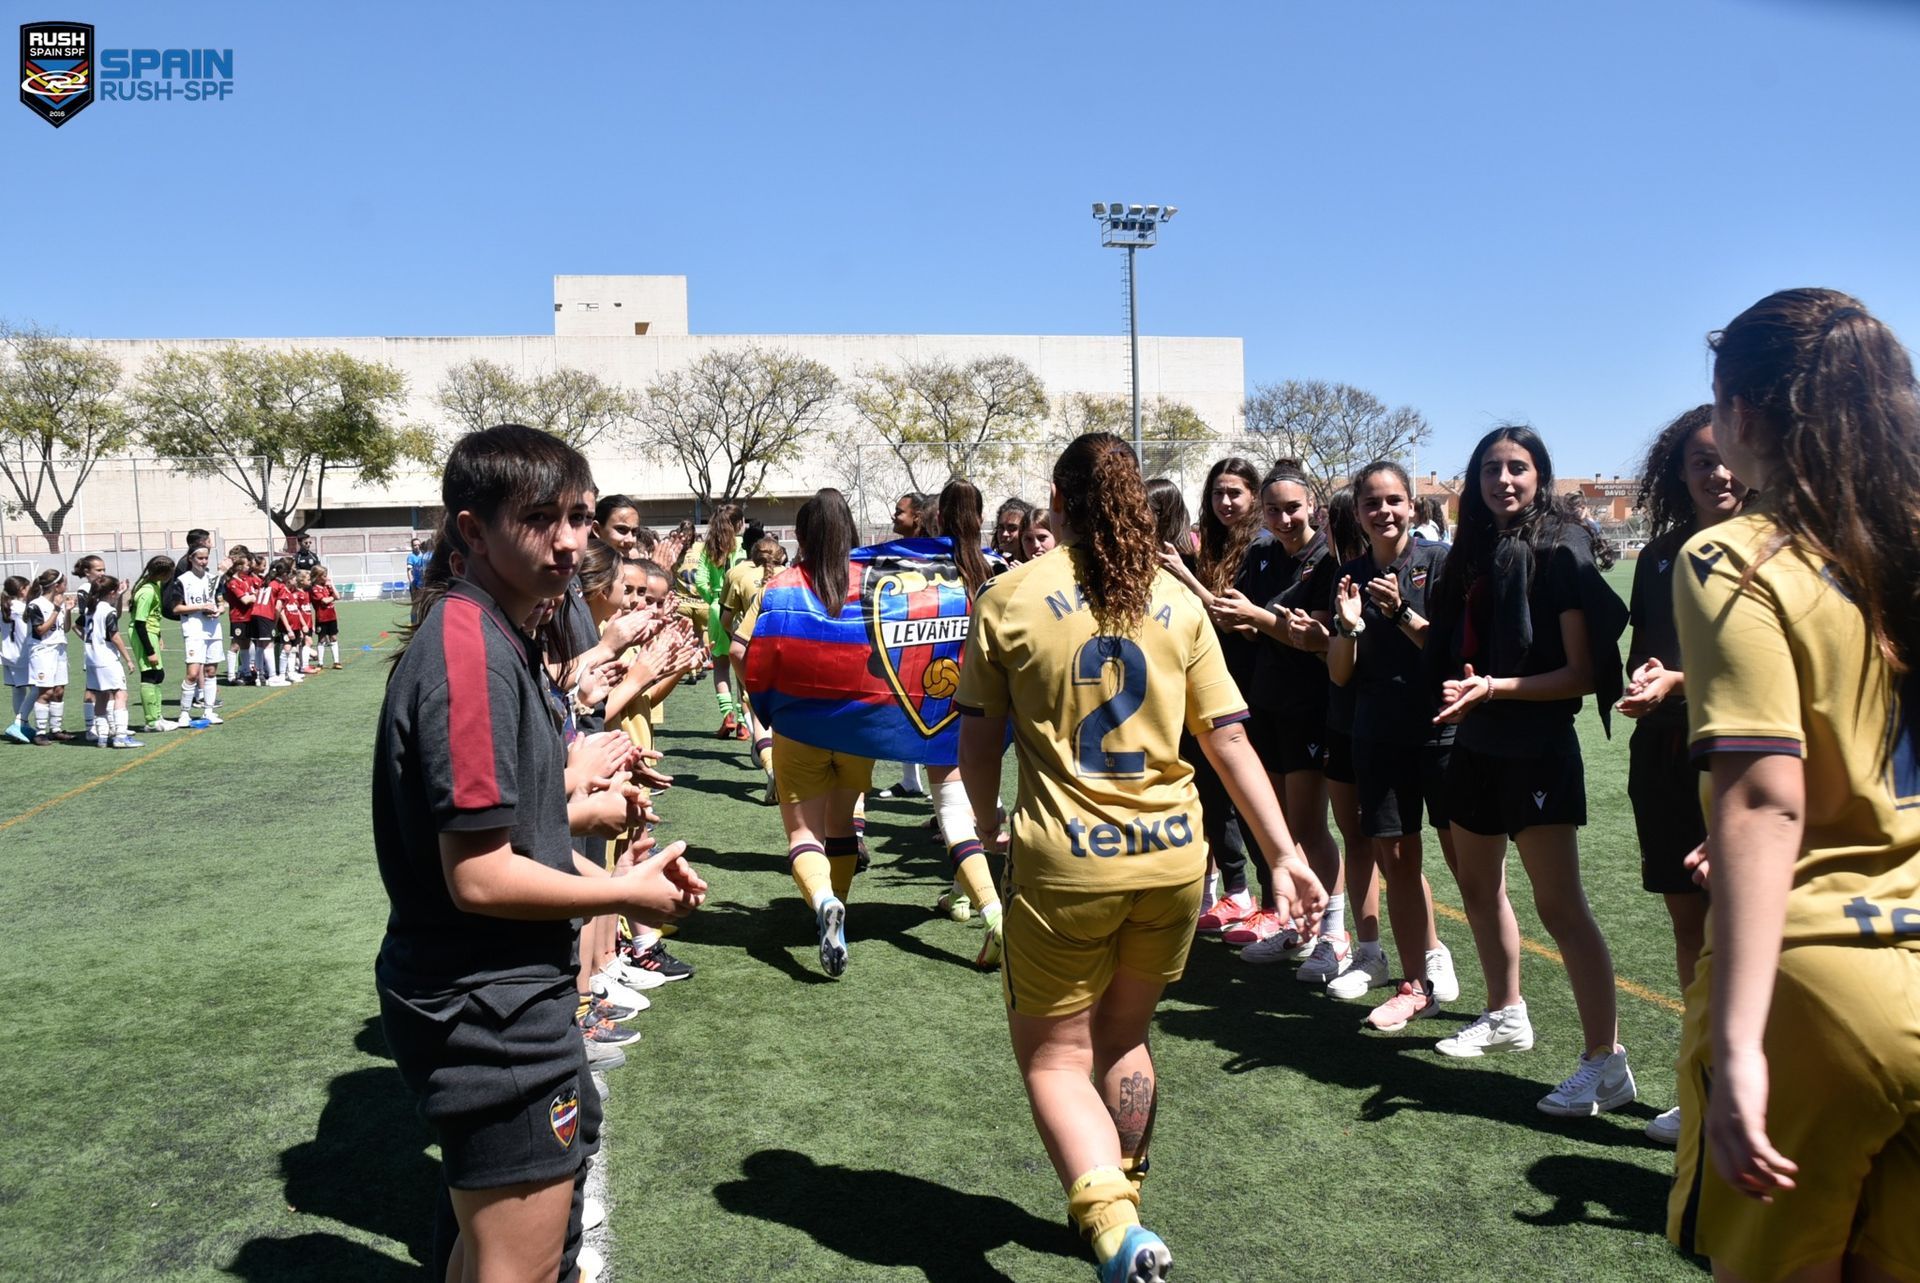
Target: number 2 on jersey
{"type": "Point", "coordinates": [1093, 758]}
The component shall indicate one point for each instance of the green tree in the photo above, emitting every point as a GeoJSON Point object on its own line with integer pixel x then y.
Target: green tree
{"type": "Point", "coordinates": [579, 407]}
{"type": "Point", "coordinates": [60, 412]}
{"type": "Point", "coordinates": [1172, 433]}
{"type": "Point", "coordinates": [735, 414]}
{"type": "Point", "coordinates": [272, 422]}
{"type": "Point", "coordinates": [945, 420]}
{"type": "Point", "coordinates": [1333, 429]}
{"type": "Point", "coordinates": [480, 394]}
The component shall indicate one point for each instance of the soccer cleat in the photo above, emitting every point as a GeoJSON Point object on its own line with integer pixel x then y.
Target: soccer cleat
{"type": "Point", "coordinates": [1261, 924]}
{"type": "Point", "coordinates": [954, 905]}
{"type": "Point", "coordinates": [336, 665]}
{"type": "Point", "coordinates": [163, 725]}
{"type": "Point", "coordinates": [601, 1009]}
{"type": "Point", "coordinates": [1368, 970]}
{"type": "Point", "coordinates": [1225, 912]}
{"type": "Point", "coordinates": [655, 960]}
{"type": "Point", "coordinates": [1507, 1029]}
{"type": "Point", "coordinates": [1408, 1005]}
{"type": "Point", "coordinates": [1665, 1128]}
{"type": "Point", "coordinates": [278, 681]}
{"type": "Point", "coordinates": [832, 921]}
{"type": "Point", "coordinates": [1143, 1258]}
{"type": "Point", "coordinates": [1597, 1084]}
{"type": "Point", "coordinates": [1442, 983]}
{"type": "Point", "coordinates": [18, 734]}
{"type": "Point", "coordinates": [1332, 955]}
{"type": "Point", "coordinates": [127, 741]}
{"type": "Point", "coordinates": [212, 719]}
{"type": "Point", "coordinates": [607, 987]}
{"type": "Point", "coordinates": [988, 959]}
{"type": "Point", "coordinates": [899, 792]}
{"type": "Point", "coordinates": [605, 1033]}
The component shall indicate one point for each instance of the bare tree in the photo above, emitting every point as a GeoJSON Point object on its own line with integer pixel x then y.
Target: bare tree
{"type": "Point", "coordinates": [1172, 432]}
{"type": "Point", "coordinates": [943, 420]}
{"type": "Point", "coordinates": [480, 393]}
{"type": "Point", "coordinates": [580, 408]}
{"type": "Point", "coordinates": [735, 413]}
{"type": "Point", "coordinates": [1333, 429]}
{"type": "Point", "coordinates": [60, 412]}
{"type": "Point", "coordinates": [269, 423]}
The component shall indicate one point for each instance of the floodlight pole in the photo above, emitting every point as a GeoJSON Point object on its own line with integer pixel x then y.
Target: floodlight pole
{"type": "Point", "coordinates": [1132, 228]}
{"type": "Point", "coordinates": [1133, 341]}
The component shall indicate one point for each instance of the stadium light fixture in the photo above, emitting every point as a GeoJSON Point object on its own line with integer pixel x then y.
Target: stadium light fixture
{"type": "Point", "coordinates": [1132, 228]}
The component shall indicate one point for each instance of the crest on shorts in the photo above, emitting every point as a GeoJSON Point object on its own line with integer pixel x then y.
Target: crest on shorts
{"type": "Point", "coordinates": [563, 1115]}
{"type": "Point", "coordinates": [56, 69]}
{"type": "Point", "coordinates": [916, 613]}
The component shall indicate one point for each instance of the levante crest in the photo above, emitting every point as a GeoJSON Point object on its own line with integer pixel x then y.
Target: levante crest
{"type": "Point", "coordinates": [916, 616]}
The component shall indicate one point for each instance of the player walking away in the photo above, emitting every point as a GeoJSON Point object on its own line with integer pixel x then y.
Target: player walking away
{"type": "Point", "coordinates": [48, 607]}
{"type": "Point", "coordinates": [914, 517]}
{"type": "Point", "coordinates": [1006, 529]}
{"type": "Point", "coordinates": [1281, 586]}
{"type": "Point", "coordinates": [106, 661]}
{"type": "Point", "coordinates": [198, 611]}
{"type": "Point", "coordinates": [471, 829]}
{"type": "Point", "coordinates": [818, 788]}
{"type": "Point", "coordinates": [710, 560]}
{"type": "Point", "coordinates": [14, 647]}
{"type": "Point", "coordinates": [1524, 626]}
{"type": "Point", "coordinates": [1800, 626]}
{"type": "Point", "coordinates": [144, 642]}
{"type": "Point", "coordinates": [1399, 753]}
{"type": "Point", "coordinates": [1684, 488]}
{"type": "Point", "coordinates": [1100, 660]}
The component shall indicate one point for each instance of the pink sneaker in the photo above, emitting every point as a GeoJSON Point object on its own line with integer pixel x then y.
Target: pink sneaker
{"type": "Point", "coordinates": [1254, 928]}
{"type": "Point", "coordinates": [1408, 1005]}
{"type": "Point", "coordinates": [1226, 911]}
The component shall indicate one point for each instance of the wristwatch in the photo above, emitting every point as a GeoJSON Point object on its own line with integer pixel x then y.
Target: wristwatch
{"type": "Point", "coordinates": [1400, 615]}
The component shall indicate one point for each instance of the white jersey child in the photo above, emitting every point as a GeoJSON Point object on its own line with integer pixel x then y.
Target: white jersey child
{"type": "Point", "coordinates": [200, 640]}
{"type": "Point", "coordinates": [106, 673]}
{"type": "Point", "coordinates": [47, 659]}
{"type": "Point", "coordinates": [13, 659]}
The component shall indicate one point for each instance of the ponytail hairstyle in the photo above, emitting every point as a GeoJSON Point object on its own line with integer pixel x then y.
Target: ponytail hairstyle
{"type": "Point", "coordinates": [1224, 547]}
{"type": "Point", "coordinates": [1171, 521]}
{"type": "Point", "coordinates": [598, 567]}
{"type": "Point", "coordinates": [108, 589]}
{"type": "Point", "coordinates": [1104, 504]}
{"type": "Point", "coordinates": [609, 504]}
{"type": "Point", "coordinates": [723, 533]}
{"type": "Point", "coordinates": [765, 552]}
{"type": "Point", "coordinates": [80, 567]}
{"type": "Point", "coordinates": [1289, 471]}
{"type": "Point", "coordinates": [13, 597]}
{"type": "Point", "coordinates": [961, 508]}
{"type": "Point", "coordinates": [824, 529]}
{"type": "Point", "coordinates": [1837, 421]}
{"type": "Point", "coordinates": [491, 473]}
{"type": "Point", "coordinates": [1663, 477]}
{"type": "Point", "coordinates": [281, 571]}
{"type": "Point", "coordinates": [1476, 534]}
{"type": "Point", "coordinates": [159, 569]}
{"type": "Point", "coordinates": [44, 583]}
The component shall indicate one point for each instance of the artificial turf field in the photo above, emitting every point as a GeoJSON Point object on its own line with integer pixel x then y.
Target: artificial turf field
{"type": "Point", "coordinates": [193, 1082]}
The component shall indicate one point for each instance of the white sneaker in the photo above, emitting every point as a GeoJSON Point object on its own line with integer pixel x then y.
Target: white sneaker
{"type": "Point", "coordinates": [278, 681]}
{"type": "Point", "coordinates": [1507, 1029]}
{"type": "Point", "coordinates": [164, 725]}
{"type": "Point", "coordinates": [1442, 983]}
{"type": "Point", "coordinates": [606, 985]}
{"type": "Point", "coordinates": [1598, 1084]}
{"type": "Point", "coordinates": [1368, 970]}
{"type": "Point", "coordinates": [212, 717]}
{"type": "Point", "coordinates": [589, 1263]}
{"type": "Point", "coordinates": [633, 977]}
{"type": "Point", "coordinates": [1665, 1128]}
{"type": "Point", "coordinates": [593, 1214]}
{"type": "Point", "coordinates": [1332, 955]}
{"type": "Point", "coordinates": [1282, 946]}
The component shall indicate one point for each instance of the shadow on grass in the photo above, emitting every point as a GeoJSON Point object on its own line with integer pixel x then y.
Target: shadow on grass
{"type": "Point", "coordinates": [367, 1166]}
{"type": "Point", "coordinates": [890, 1219]}
{"type": "Point", "coordinates": [1264, 1020]}
{"type": "Point", "coordinates": [1599, 1191]}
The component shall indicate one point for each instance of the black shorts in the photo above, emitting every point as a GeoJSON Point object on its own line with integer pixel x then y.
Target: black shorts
{"type": "Point", "coordinates": [502, 1080]}
{"type": "Point", "coordinates": [1396, 781]}
{"type": "Point", "coordinates": [260, 629]}
{"type": "Point", "coordinates": [1337, 758]}
{"type": "Point", "coordinates": [1287, 743]}
{"type": "Point", "coordinates": [1664, 787]}
{"type": "Point", "coordinates": [1489, 795]}
{"type": "Point", "coordinates": [327, 628]}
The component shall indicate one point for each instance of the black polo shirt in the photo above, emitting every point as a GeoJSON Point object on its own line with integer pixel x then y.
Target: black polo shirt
{"type": "Point", "coordinates": [305, 559]}
{"type": "Point", "coordinates": [1392, 701]}
{"type": "Point", "coordinates": [1521, 727]}
{"type": "Point", "coordinates": [467, 741]}
{"type": "Point", "coordinates": [1289, 682]}
{"type": "Point", "coordinates": [1655, 635]}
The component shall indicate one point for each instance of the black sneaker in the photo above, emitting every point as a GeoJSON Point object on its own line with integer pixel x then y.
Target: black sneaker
{"type": "Point", "coordinates": [656, 959]}
{"type": "Point", "coordinates": [605, 1009]}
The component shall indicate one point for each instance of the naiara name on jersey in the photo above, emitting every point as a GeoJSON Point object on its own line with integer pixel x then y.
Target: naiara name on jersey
{"type": "Point", "coordinates": [1062, 605]}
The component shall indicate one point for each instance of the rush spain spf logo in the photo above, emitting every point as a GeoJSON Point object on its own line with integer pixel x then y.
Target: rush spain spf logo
{"type": "Point", "coordinates": [56, 69]}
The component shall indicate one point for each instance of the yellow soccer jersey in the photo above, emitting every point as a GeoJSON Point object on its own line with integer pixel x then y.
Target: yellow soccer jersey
{"type": "Point", "coordinates": [1105, 802]}
{"type": "Point", "coordinates": [744, 582]}
{"type": "Point", "coordinates": [1785, 664]}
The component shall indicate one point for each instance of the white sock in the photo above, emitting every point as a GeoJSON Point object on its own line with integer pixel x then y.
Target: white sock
{"type": "Point", "coordinates": [120, 721]}
{"type": "Point", "coordinates": [187, 690]}
{"type": "Point", "coordinates": [1369, 949]}
{"type": "Point", "coordinates": [56, 714]}
{"type": "Point", "coordinates": [335, 645]}
{"type": "Point", "coordinates": [97, 728]}
{"type": "Point", "coordinates": [40, 718]}
{"type": "Point", "coordinates": [1334, 920]}
{"type": "Point", "coordinates": [233, 664]}
{"type": "Point", "coordinates": [208, 689]}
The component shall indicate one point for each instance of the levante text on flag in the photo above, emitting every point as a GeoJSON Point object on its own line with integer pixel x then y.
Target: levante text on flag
{"type": "Point", "coordinates": [879, 679]}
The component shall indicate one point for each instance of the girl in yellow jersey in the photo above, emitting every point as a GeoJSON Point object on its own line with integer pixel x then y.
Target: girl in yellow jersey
{"type": "Point", "coordinates": [1106, 659]}
{"type": "Point", "coordinates": [1799, 623]}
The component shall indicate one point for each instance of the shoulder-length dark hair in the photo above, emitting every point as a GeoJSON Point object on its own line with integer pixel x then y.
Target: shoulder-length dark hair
{"type": "Point", "coordinates": [961, 508]}
{"type": "Point", "coordinates": [1224, 547]}
{"type": "Point", "coordinates": [824, 530]}
{"type": "Point", "coordinates": [1476, 533]}
{"type": "Point", "coordinates": [1663, 477]}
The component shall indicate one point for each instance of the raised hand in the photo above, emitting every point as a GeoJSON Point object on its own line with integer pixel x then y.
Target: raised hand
{"type": "Point", "coordinates": [1461, 695]}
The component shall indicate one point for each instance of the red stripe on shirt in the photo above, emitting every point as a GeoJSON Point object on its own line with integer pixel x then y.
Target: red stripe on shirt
{"type": "Point", "coordinates": [463, 645]}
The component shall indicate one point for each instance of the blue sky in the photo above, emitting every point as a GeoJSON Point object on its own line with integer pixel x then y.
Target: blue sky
{"type": "Point", "coordinates": [1484, 210]}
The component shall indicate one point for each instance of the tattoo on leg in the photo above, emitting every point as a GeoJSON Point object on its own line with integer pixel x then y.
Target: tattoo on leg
{"type": "Point", "coordinates": [1132, 1111]}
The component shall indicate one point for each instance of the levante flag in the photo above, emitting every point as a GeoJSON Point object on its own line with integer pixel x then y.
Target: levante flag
{"type": "Point", "coordinates": [879, 680]}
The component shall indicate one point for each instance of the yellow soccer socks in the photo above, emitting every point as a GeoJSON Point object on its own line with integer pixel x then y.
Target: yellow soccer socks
{"type": "Point", "coordinates": [811, 871]}
{"type": "Point", "coordinates": [843, 854]}
{"type": "Point", "coordinates": [1103, 1205]}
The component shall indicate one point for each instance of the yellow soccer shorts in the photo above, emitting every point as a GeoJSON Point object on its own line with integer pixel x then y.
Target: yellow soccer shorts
{"type": "Point", "coordinates": [1843, 1064]}
{"type": "Point", "coordinates": [1062, 947]}
{"type": "Point", "coordinates": [802, 772]}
